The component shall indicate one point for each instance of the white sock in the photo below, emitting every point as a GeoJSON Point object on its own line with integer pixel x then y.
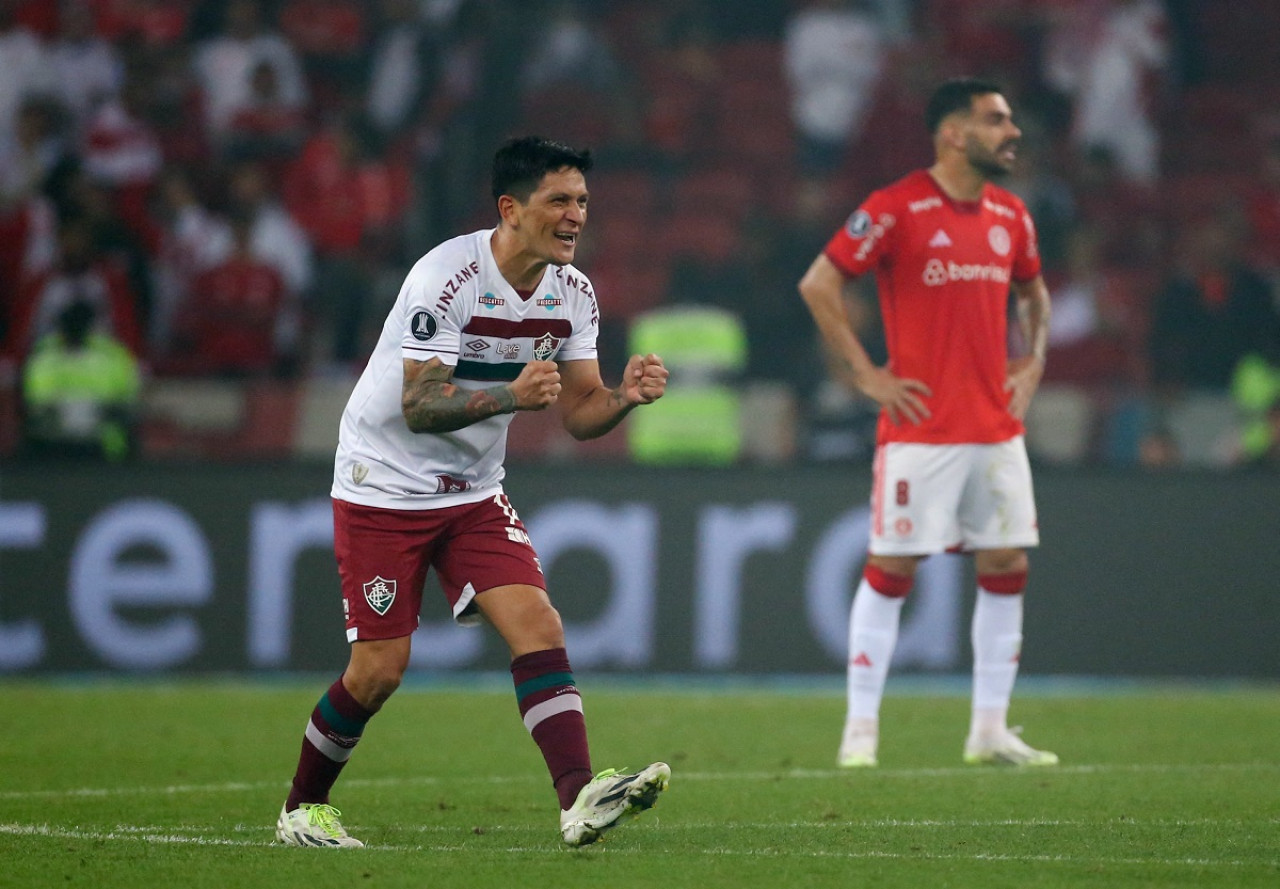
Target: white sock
{"type": "Point", "coordinates": [997, 643]}
{"type": "Point", "coordinates": [873, 633]}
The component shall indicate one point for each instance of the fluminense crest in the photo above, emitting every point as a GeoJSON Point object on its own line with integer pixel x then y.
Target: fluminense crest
{"type": "Point", "coordinates": [380, 593]}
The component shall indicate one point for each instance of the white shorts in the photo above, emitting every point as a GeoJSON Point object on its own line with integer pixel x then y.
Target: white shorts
{"type": "Point", "coordinates": [928, 498]}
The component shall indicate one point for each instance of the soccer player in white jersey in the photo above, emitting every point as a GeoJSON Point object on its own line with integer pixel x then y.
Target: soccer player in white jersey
{"type": "Point", "coordinates": [950, 473]}
{"type": "Point", "coordinates": [485, 325]}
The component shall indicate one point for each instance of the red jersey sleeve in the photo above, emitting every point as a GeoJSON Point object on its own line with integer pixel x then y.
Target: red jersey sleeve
{"type": "Point", "coordinates": [1026, 256]}
{"type": "Point", "coordinates": [866, 237]}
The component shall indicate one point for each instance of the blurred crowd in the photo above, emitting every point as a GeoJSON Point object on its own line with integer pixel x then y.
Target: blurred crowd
{"type": "Point", "coordinates": [233, 190]}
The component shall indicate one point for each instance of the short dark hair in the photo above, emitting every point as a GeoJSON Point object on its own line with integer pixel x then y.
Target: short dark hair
{"type": "Point", "coordinates": [955, 95]}
{"type": "Point", "coordinates": [520, 164]}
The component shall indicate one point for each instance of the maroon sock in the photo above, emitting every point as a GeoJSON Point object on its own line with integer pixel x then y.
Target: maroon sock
{"type": "Point", "coordinates": [552, 711]}
{"type": "Point", "coordinates": [335, 726]}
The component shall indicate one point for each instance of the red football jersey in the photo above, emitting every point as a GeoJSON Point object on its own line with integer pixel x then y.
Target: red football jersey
{"type": "Point", "coordinates": [943, 269]}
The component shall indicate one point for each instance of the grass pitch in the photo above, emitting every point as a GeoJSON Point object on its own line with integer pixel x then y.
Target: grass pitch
{"type": "Point", "coordinates": [148, 785]}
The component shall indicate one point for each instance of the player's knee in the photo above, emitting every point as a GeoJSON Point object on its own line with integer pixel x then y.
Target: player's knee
{"type": "Point", "coordinates": [524, 617]}
{"type": "Point", "coordinates": [1002, 561]}
{"type": "Point", "coordinates": [375, 673]}
{"type": "Point", "coordinates": [371, 687]}
{"type": "Point", "coordinates": [539, 629]}
{"type": "Point", "coordinates": [546, 627]}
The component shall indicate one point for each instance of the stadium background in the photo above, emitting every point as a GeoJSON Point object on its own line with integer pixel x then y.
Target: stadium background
{"type": "Point", "coordinates": [1157, 561]}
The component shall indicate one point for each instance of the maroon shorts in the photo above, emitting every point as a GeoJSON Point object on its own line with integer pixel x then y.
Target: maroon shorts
{"type": "Point", "coordinates": [383, 557]}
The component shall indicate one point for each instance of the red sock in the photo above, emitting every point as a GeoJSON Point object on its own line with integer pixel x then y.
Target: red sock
{"type": "Point", "coordinates": [336, 724]}
{"type": "Point", "coordinates": [552, 711]}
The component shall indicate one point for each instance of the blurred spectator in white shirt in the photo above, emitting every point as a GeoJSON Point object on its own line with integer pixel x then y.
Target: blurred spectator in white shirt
{"type": "Point", "coordinates": [26, 68]}
{"type": "Point", "coordinates": [224, 66]}
{"type": "Point", "coordinates": [570, 49]}
{"type": "Point", "coordinates": [33, 148]}
{"type": "Point", "coordinates": [274, 235]}
{"type": "Point", "coordinates": [397, 71]}
{"type": "Point", "coordinates": [833, 57]}
{"type": "Point", "coordinates": [267, 127]}
{"type": "Point", "coordinates": [1107, 56]}
{"type": "Point", "coordinates": [277, 240]}
{"type": "Point", "coordinates": [88, 68]}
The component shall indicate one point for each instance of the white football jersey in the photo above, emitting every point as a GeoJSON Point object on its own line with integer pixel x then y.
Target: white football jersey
{"type": "Point", "coordinates": [456, 306]}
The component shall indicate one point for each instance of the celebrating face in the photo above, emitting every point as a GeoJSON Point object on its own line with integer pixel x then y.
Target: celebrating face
{"type": "Point", "coordinates": [550, 222]}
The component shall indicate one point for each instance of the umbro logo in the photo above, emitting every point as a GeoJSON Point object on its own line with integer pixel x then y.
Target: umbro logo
{"type": "Point", "coordinates": [940, 239]}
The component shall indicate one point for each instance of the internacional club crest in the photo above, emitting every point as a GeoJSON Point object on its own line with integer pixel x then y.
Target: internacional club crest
{"type": "Point", "coordinates": [380, 593]}
{"type": "Point", "coordinates": [998, 238]}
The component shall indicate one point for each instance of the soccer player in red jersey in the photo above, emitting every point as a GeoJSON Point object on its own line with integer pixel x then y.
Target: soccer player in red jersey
{"type": "Point", "coordinates": [951, 470]}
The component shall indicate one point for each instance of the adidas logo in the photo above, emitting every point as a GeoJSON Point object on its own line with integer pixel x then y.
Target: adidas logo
{"type": "Point", "coordinates": [940, 239]}
{"type": "Point", "coordinates": [861, 660]}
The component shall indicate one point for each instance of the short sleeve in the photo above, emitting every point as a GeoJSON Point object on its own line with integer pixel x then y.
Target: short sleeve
{"type": "Point", "coordinates": [865, 238]}
{"type": "Point", "coordinates": [586, 325]}
{"type": "Point", "coordinates": [427, 331]}
{"type": "Point", "coordinates": [1026, 259]}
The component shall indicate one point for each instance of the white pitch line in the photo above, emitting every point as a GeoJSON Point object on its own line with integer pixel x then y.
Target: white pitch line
{"type": "Point", "coordinates": [676, 824]}
{"type": "Point", "coordinates": [951, 771]}
{"type": "Point", "coordinates": [903, 823]}
{"type": "Point", "coordinates": [761, 775]}
{"type": "Point", "coordinates": [120, 833]}
{"type": "Point", "coordinates": [982, 856]}
{"type": "Point", "coordinates": [146, 835]}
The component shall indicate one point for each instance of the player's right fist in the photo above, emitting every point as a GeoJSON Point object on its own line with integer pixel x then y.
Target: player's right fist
{"type": "Point", "coordinates": [537, 387]}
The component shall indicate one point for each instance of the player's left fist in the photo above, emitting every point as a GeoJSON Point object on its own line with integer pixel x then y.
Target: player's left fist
{"type": "Point", "coordinates": [645, 379]}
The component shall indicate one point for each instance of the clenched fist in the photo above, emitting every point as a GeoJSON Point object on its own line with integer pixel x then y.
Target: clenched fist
{"type": "Point", "coordinates": [537, 387]}
{"type": "Point", "coordinates": [645, 379]}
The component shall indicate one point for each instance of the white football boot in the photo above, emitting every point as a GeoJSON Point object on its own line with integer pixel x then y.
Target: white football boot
{"type": "Point", "coordinates": [610, 798]}
{"type": "Point", "coordinates": [859, 744]}
{"type": "Point", "coordinates": [313, 824]}
{"type": "Point", "coordinates": [1007, 749]}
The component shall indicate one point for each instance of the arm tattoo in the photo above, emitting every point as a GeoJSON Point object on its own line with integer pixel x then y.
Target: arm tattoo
{"type": "Point", "coordinates": [430, 402]}
{"type": "Point", "coordinates": [595, 416]}
{"type": "Point", "coordinates": [618, 402]}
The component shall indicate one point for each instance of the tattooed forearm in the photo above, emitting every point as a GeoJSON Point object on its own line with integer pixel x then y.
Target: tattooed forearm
{"type": "Point", "coordinates": [488, 402]}
{"type": "Point", "coordinates": [443, 407]}
{"type": "Point", "coordinates": [619, 403]}
{"type": "Point", "coordinates": [592, 422]}
{"type": "Point", "coordinates": [431, 403]}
